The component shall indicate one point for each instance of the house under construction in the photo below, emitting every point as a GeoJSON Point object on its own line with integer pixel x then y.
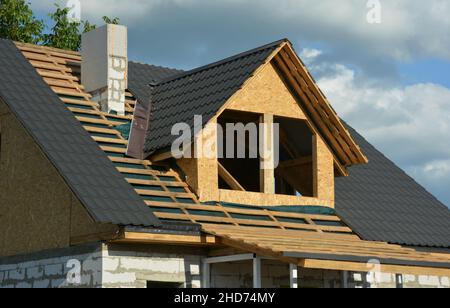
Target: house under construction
{"type": "Point", "coordinates": [91, 194]}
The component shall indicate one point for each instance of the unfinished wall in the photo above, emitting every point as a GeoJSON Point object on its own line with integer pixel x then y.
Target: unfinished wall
{"type": "Point", "coordinates": [383, 280]}
{"type": "Point", "coordinates": [267, 93]}
{"type": "Point", "coordinates": [133, 266]}
{"type": "Point", "coordinates": [50, 269]}
{"type": "Point", "coordinates": [274, 275]}
{"type": "Point", "coordinates": [323, 171]}
{"type": "Point", "coordinates": [37, 209]}
{"type": "Point", "coordinates": [201, 168]}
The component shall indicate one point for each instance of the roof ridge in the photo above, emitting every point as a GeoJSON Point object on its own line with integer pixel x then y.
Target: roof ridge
{"type": "Point", "coordinates": [155, 66]}
{"type": "Point", "coordinates": [220, 62]}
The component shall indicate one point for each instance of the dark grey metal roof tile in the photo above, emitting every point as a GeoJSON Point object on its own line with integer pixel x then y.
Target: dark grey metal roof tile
{"type": "Point", "coordinates": [380, 202]}
{"type": "Point", "coordinates": [61, 137]}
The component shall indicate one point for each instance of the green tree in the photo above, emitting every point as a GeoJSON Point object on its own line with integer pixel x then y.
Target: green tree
{"type": "Point", "coordinates": [17, 22]}
{"type": "Point", "coordinates": [112, 21]}
{"type": "Point", "coordinates": [66, 34]}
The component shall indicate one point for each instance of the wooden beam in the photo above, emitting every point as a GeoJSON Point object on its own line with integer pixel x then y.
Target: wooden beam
{"type": "Point", "coordinates": [167, 239]}
{"type": "Point", "coordinates": [312, 84]}
{"type": "Point", "coordinates": [267, 150]}
{"type": "Point", "coordinates": [362, 267]}
{"type": "Point", "coordinates": [228, 178]}
{"type": "Point", "coordinates": [340, 156]}
{"type": "Point", "coordinates": [161, 157]}
{"type": "Point", "coordinates": [296, 162]}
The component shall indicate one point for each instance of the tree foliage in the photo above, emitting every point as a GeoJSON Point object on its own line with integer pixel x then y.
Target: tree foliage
{"type": "Point", "coordinates": [111, 21]}
{"type": "Point", "coordinates": [17, 22]}
{"type": "Point", "coordinates": [65, 33]}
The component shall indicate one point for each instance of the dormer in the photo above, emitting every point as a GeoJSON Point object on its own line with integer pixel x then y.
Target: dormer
{"type": "Point", "coordinates": [252, 129]}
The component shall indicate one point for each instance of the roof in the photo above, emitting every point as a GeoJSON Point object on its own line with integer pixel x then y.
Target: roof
{"type": "Point", "coordinates": [159, 186]}
{"type": "Point", "coordinates": [87, 171]}
{"type": "Point", "coordinates": [379, 201]}
{"type": "Point", "coordinates": [202, 91]}
{"type": "Point", "coordinates": [170, 198]}
{"type": "Point", "coordinates": [140, 76]}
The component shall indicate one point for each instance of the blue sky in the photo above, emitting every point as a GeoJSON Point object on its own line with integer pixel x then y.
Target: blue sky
{"type": "Point", "coordinates": [391, 80]}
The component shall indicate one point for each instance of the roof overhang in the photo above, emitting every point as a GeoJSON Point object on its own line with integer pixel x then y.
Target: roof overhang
{"type": "Point", "coordinates": [331, 251]}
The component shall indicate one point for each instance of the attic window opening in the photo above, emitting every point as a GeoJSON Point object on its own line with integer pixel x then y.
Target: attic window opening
{"type": "Point", "coordinates": [293, 174]}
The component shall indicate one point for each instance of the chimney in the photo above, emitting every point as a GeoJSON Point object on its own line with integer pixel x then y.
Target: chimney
{"type": "Point", "coordinates": [105, 65]}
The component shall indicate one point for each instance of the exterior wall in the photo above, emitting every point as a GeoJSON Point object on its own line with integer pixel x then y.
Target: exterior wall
{"type": "Point", "coordinates": [383, 280]}
{"type": "Point", "coordinates": [133, 266]}
{"type": "Point", "coordinates": [38, 211]}
{"type": "Point", "coordinates": [51, 269]}
{"type": "Point", "coordinates": [202, 170]}
{"type": "Point", "coordinates": [102, 266]}
{"type": "Point", "coordinates": [267, 93]}
{"type": "Point", "coordinates": [274, 274]}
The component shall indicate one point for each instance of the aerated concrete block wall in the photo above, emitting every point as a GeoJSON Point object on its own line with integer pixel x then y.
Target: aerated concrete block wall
{"type": "Point", "coordinates": [274, 274]}
{"type": "Point", "coordinates": [103, 266]}
{"type": "Point", "coordinates": [129, 266]}
{"type": "Point", "coordinates": [134, 266]}
{"type": "Point", "coordinates": [64, 268]}
{"type": "Point", "coordinates": [383, 280]}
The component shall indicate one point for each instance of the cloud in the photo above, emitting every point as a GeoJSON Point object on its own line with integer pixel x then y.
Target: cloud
{"type": "Point", "coordinates": [410, 124]}
{"type": "Point", "coordinates": [203, 30]}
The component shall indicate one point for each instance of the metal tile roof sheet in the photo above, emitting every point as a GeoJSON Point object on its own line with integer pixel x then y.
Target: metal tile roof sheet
{"type": "Point", "coordinates": [85, 168]}
{"type": "Point", "coordinates": [380, 202]}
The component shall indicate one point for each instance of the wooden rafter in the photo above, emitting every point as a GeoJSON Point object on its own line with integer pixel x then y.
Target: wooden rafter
{"type": "Point", "coordinates": [229, 179]}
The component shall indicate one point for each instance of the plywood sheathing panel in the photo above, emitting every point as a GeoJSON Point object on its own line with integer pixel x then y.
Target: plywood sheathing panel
{"type": "Point", "coordinates": [323, 170]}
{"type": "Point", "coordinates": [203, 170]}
{"type": "Point", "coordinates": [267, 142]}
{"type": "Point", "coordinates": [260, 199]}
{"type": "Point", "coordinates": [266, 93]}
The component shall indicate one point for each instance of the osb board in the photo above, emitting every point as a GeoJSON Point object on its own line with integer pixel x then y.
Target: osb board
{"type": "Point", "coordinates": [203, 172]}
{"type": "Point", "coordinates": [35, 202]}
{"type": "Point", "coordinates": [267, 93]}
{"type": "Point", "coordinates": [323, 170]}
{"type": "Point", "coordinates": [260, 199]}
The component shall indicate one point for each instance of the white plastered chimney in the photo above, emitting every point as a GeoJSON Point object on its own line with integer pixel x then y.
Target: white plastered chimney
{"type": "Point", "coordinates": [104, 68]}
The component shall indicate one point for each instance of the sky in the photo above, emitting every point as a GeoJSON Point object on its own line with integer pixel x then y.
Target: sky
{"type": "Point", "coordinates": [389, 79]}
